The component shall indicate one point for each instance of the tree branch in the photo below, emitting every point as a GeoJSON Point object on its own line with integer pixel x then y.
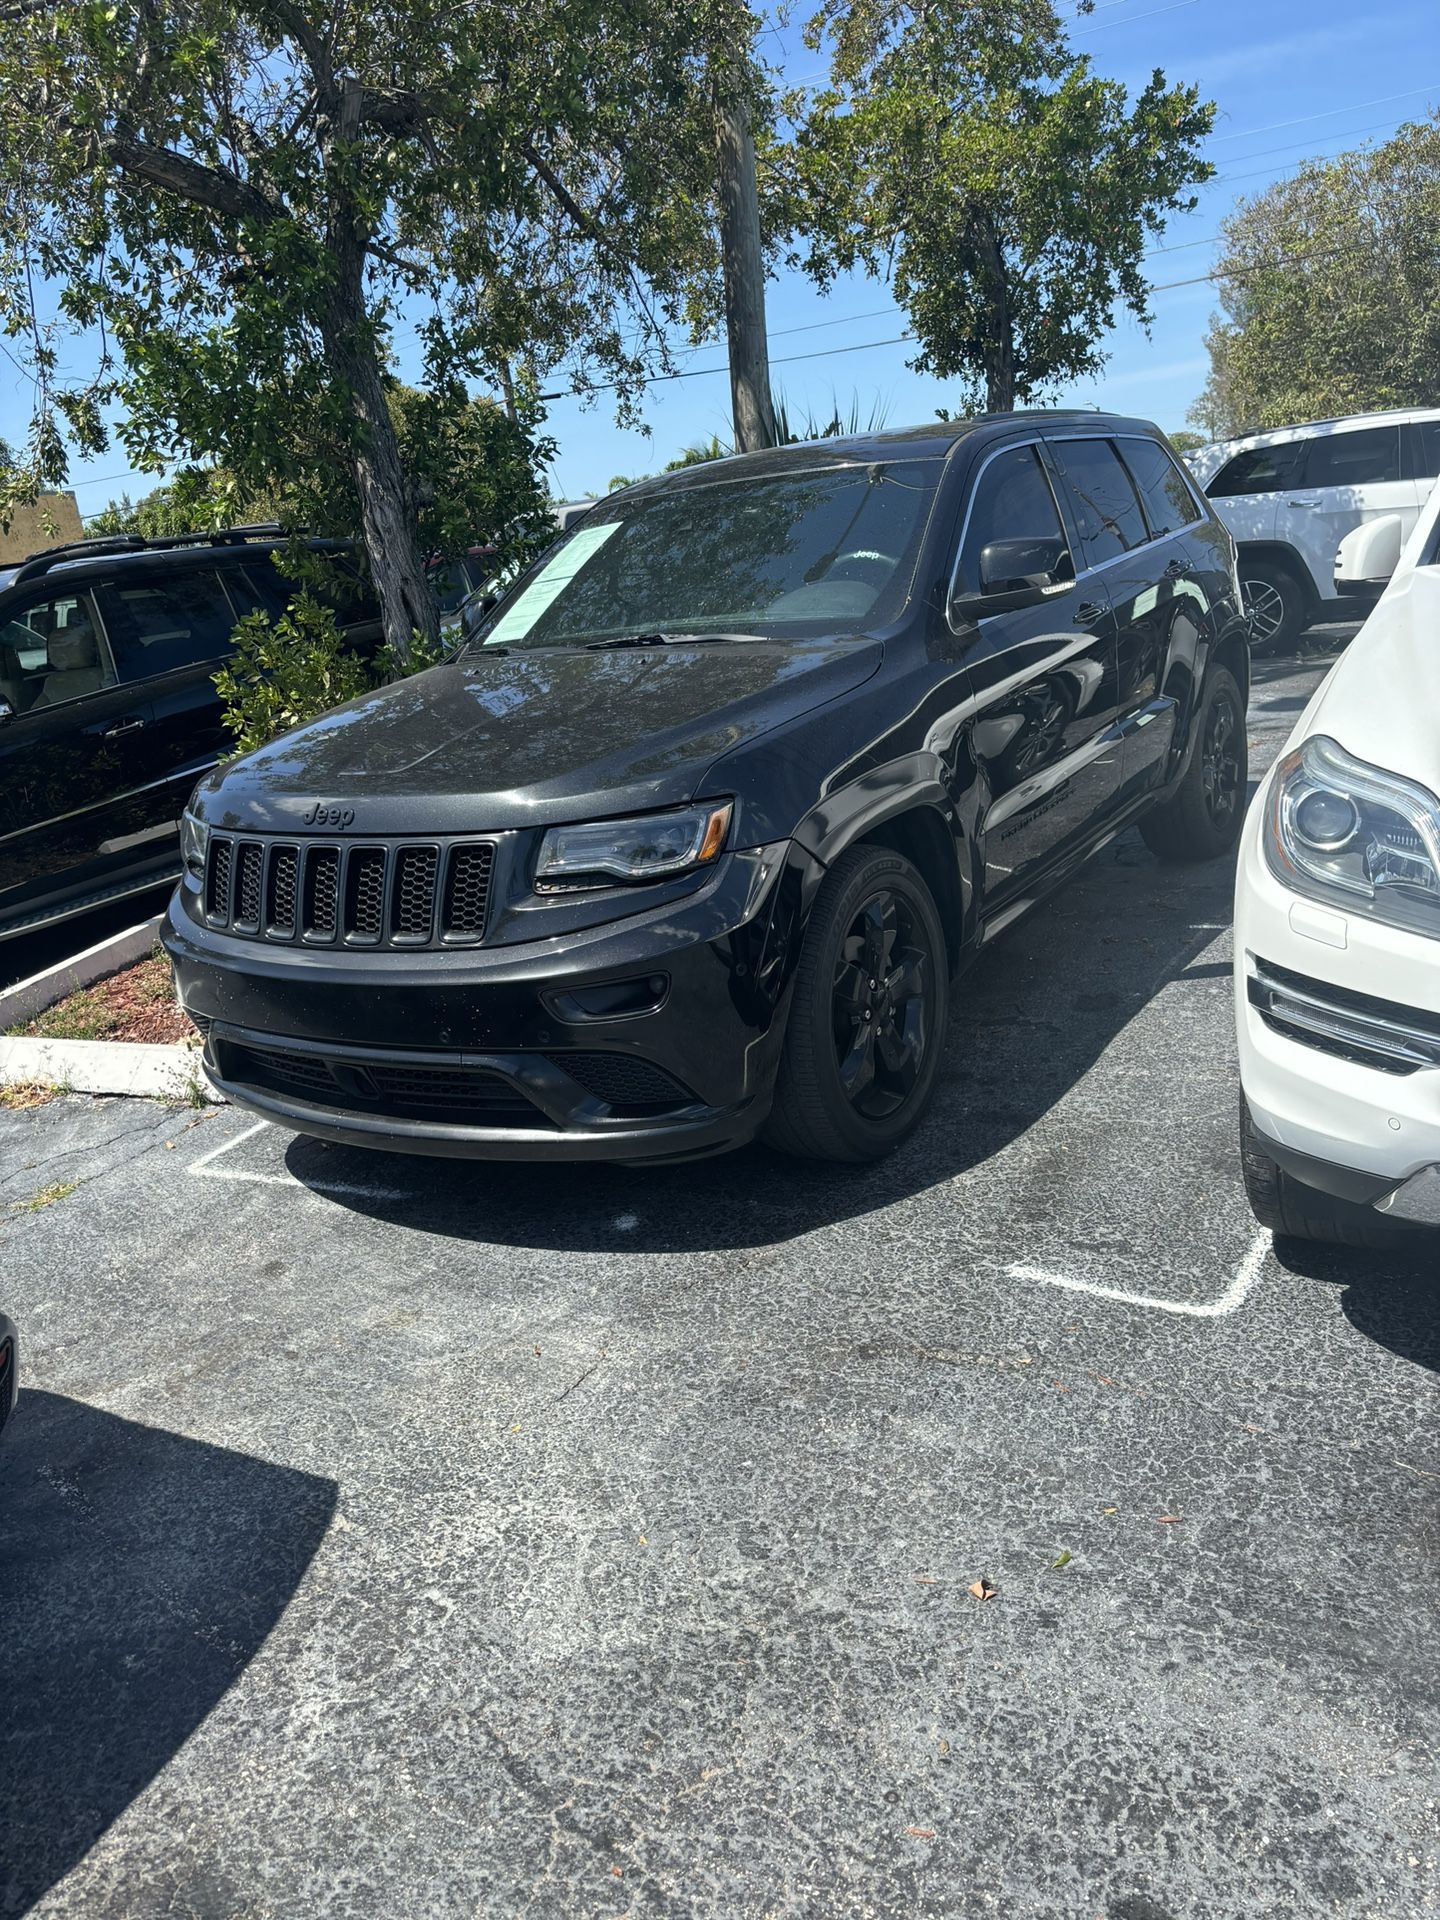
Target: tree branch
{"type": "Point", "coordinates": [176, 173]}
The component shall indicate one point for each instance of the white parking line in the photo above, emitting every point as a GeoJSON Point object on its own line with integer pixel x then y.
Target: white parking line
{"type": "Point", "coordinates": [1234, 1296]}
{"type": "Point", "coordinates": [348, 1190]}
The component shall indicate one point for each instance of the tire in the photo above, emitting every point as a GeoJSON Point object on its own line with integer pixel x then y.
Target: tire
{"type": "Point", "coordinates": [1293, 1211]}
{"type": "Point", "coordinates": [873, 907]}
{"type": "Point", "coordinates": [1276, 605]}
{"type": "Point", "coordinates": [1201, 820]}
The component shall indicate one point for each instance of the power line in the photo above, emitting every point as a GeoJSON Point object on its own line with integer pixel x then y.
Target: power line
{"type": "Point", "coordinates": [900, 339]}
{"type": "Point", "coordinates": [1351, 106]}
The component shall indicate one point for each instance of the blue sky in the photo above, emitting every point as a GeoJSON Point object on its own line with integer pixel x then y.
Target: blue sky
{"type": "Point", "coordinates": [1291, 78]}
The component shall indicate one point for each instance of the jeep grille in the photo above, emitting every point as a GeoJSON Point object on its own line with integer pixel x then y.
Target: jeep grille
{"type": "Point", "coordinates": [369, 894]}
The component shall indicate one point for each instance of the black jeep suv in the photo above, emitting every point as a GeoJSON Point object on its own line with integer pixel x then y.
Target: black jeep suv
{"type": "Point", "coordinates": [108, 710]}
{"type": "Point", "coordinates": [693, 837]}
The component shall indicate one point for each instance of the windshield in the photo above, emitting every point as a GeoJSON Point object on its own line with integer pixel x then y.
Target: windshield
{"type": "Point", "coordinates": [786, 556]}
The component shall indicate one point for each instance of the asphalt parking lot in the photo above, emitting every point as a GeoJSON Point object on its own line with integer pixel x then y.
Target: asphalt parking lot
{"type": "Point", "coordinates": [398, 1537]}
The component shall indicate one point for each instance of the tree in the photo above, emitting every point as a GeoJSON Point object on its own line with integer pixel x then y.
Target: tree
{"type": "Point", "coordinates": [1330, 291]}
{"type": "Point", "coordinates": [249, 197]}
{"type": "Point", "coordinates": [962, 149]}
{"type": "Point", "coordinates": [1186, 442]}
{"type": "Point", "coordinates": [472, 476]}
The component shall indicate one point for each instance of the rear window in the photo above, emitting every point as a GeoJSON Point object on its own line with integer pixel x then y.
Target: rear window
{"type": "Point", "coordinates": [1422, 439]}
{"type": "Point", "coordinates": [156, 625]}
{"type": "Point", "coordinates": [1168, 501]}
{"type": "Point", "coordinates": [1367, 457]}
{"type": "Point", "coordinates": [1259, 470]}
{"type": "Point", "coordinates": [1106, 504]}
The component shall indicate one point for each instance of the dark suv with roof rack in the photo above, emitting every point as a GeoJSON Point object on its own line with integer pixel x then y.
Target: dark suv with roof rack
{"type": "Point", "coordinates": [693, 836]}
{"type": "Point", "coordinates": [108, 710]}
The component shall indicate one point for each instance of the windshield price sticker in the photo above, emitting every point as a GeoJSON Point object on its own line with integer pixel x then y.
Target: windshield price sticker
{"type": "Point", "coordinates": [550, 583]}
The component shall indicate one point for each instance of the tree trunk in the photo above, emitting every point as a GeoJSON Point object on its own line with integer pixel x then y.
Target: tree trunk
{"type": "Point", "coordinates": [407, 606]}
{"type": "Point", "coordinates": [998, 346]}
{"type": "Point", "coordinates": [752, 409]}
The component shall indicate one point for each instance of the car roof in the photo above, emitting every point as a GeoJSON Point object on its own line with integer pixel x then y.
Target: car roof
{"type": "Point", "coordinates": [85, 557]}
{"type": "Point", "coordinates": [1343, 423]}
{"type": "Point", "coordinates": [933, 440]}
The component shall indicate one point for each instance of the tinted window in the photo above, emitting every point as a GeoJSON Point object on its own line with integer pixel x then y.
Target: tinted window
{"type": "Point", "coordinates": [1259, 470]}
{"type": "Point", "coordinates": [156, 625]}
{"type": "Point", "coordinates": [816, 550]}
{"type": "Point", "coordinates": [1168, 502]}
{"type": "Point", "coordinates": [51, 651]}
{"type": "Point", "coordinates": [1109, 513]}
{"type": "Point", "coordinates": [1354, 459]}
{"type": "Point", "coordinates": [1012, 501]}
{"type": "Point", "coordinates": [1423, 437]}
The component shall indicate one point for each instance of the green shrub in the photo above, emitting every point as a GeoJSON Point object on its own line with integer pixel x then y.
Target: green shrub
{"type": "Point", "coordinates": [286, 672]}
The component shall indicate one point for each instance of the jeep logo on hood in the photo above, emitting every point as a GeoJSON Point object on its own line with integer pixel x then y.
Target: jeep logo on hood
{"type": "Point", "coordinates": [321, 815]}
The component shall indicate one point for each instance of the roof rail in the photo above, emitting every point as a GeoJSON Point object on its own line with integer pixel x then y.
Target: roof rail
{"type": "Point", "coordinates": [106, 543]}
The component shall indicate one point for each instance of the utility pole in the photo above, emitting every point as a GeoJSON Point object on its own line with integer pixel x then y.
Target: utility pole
{"type": "Point", "coordinates": [751, 408]}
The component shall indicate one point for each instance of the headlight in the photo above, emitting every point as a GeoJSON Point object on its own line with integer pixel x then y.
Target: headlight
{"type": "Point", "coordinates": [1355, 836]}
{"type": "Point", "coordinates": [194, 840]}
{"type": "Point", "coordinates": [652, 846]}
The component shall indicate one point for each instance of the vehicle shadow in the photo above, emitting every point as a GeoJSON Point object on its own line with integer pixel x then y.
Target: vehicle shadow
{"type": "Point", "coordinates": [1393, 1298]}
{"type": "Point", "coordinates": [1027, 1022]}
{"type": "Point", "coordinates": [141, 1571]}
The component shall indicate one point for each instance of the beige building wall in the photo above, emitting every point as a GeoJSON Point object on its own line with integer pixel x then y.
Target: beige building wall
{"type": "Point", "coordinates": [53, 519]}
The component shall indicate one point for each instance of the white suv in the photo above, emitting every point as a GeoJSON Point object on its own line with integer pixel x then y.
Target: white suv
{"type": "Point", "coordinates": [1337, 929]}
{"type": "Point", "coordinates": [1290, 497]}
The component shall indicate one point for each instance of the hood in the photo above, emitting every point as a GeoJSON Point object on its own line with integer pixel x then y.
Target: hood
{"type": "Point", "coordinates": [492, 742]}
{"type": "Point", "coordinates": [1381, 699]}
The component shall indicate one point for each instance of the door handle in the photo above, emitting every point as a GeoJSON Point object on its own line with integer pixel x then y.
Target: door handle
{"type": "Point", "coordinates": [131, 724]}
{"type": "Point", "coordinates": [1092, 611]}
{"type": "Point", "coordinates": [1176, 570]}
{"type": "Point", "coordinates": [1311, 504]}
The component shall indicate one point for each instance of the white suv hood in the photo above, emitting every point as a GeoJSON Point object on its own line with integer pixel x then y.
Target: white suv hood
{"type": "Point", "coordinates": [1381, 699]}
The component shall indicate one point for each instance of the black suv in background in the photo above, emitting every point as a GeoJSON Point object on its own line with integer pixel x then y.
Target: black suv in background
{"type": "Point", "coordinates": [108, 712]}
{"type": "Point", "coordinates": [693, 836]}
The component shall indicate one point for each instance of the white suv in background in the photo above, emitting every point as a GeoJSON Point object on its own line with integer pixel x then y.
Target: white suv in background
{"type": "Point", "coordinates": [1290, 496]}
{"type": "Point", "coordinates": [1337, 928]}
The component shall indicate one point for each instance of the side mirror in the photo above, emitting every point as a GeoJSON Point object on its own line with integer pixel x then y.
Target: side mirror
{"type": "Point", "coordinates": [1013, 574]}
{"type": "Point", "coordinates": [1368, 556]}
{"type": "Point", "coordinates": [7, 712]}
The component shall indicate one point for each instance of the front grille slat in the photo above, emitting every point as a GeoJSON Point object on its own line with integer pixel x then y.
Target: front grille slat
{"type": "Point", "coordinates": [281, 892]}
{"type": "Point", "coordinates": [402, 894]}
{"type": "Point", "coordinates": [467, 893]}
{"type": "Point", "coordinates": [321, 892]}
{"type": "Point", "coordinates": [249, 866]}
{"type": "Point", "coordinates": [365, 895]}
{"type": "Point", "coordinates": [412, 907]}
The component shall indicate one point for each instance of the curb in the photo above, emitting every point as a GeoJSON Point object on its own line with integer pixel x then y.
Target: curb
{"type": "Point", "coordinates": [108, 1066]}
{"type": "Point", "coordinates": [28, 997]}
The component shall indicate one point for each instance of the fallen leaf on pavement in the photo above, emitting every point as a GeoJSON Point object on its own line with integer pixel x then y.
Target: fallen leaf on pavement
{"type": "Point", "coordinates": [982, 1589]}
{"type": "Point", "coordinates": [921, 1833]}
{"type": "Point", "coordinates": [1168, 1520]}
{"type": "Point", "coordinates": [1109, 1509]}
{"type": "Point", "coordinates": [923, 1579]}
{"type": "Point", "coordinates": [1063, 1561]}
{"type": "Point", "coordinates": [1060, 1387]}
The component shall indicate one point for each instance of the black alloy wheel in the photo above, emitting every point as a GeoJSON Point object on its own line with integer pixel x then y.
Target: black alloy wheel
{"type": "Point", "coordinates": [866, 1025]}
{"type": "Point", "coordinates": [881, 1006]}
{"type": "Point", "coordinates": [1221, 772]}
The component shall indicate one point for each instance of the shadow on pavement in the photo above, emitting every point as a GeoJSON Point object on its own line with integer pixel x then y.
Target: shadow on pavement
{"type": "Point", "coordinates": [1028, 1021]}
{"type": "Point", "coordinates": [1392, 1298]}
{"type": "Point", "coordinates": [140, 1572]}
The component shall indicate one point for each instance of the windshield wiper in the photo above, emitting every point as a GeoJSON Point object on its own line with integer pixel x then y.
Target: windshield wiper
{"type": "Point", "coordinates": [657, 639]}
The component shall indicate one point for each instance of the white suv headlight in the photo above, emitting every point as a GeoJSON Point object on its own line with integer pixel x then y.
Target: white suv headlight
{"type": "Point", "coordinates": [651, 846]}
{"type": "Point", "coordinates": [1355, 836]}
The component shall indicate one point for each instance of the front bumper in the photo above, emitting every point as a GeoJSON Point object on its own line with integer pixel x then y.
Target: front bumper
{"type": "Point", "coordinates": [653, 1037]}
{"type": "Point", "coordinates": [1338, 1023]}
